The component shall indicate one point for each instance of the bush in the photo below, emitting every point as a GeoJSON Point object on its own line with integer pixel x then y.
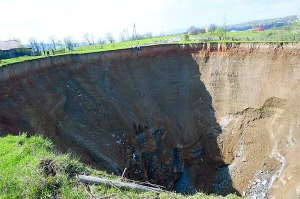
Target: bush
{"type": "Point", "coordinates": [186, 37]}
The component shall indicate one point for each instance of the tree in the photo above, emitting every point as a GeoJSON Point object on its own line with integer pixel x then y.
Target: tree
{"type": "Point", "coordinates": [202, 31]}
{"type": "Point", "coordinates": [186, 37]}
{"type": "Point", "coordinates": [34, 45]}
{"type": "Point", "coordinates": [194, 30]}
{"type": "Point", "coordinates": [69, 42]}
{"type": "Point", "coordinates": [52, 40]}
{"type": "Point", "coordinates": [19, 41]}
{"type": "Point", "coordinates": [43, 45]}
{"type": "Point", "coordinates": [212, 28]}
{"type": "Point", "coordinates": [219, 32]}
{"type": "Point", "coordinates": [89, 38]}
{"type": "Point", "coordinates": [101, 41]}
{"type": "Point", "coordinates": [109, 37]}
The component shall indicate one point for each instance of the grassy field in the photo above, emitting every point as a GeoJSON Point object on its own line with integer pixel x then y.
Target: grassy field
{"type": "Point", "coordinates": [256, 36]}
{"type": "Point", "coordinates": [95, 48]}
{"type": "Point", "coordinates": [29, 168]}
{"type": "Point", "coordinates": [244, 36]}
{"type": "Point", "coordinates": [122, 45]}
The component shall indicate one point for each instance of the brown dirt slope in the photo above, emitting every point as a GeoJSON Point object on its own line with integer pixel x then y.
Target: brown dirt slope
{"type": "Point", "coordinates": [216, 117]}
{"type": "Point", "coordinates": [254, 88]}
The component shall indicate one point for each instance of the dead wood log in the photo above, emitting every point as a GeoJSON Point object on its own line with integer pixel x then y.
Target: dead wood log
{"type": "Point", "coordinates": [90, 179]}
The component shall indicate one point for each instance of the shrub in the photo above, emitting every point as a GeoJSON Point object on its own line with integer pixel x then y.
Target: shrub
{"type": "Point", "coordinates": [186, 37]}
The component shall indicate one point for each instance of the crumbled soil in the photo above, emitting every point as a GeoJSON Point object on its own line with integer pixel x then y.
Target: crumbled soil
{"type": "Point", "coordinates": [49, 167]}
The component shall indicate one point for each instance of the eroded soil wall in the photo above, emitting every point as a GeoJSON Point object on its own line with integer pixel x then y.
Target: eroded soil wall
{"type": "Point", "coordinates": [206, 116]}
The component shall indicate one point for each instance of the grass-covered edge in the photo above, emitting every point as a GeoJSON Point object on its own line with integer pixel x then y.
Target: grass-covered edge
{"type": "Point", "coordinates": [162, 40]}
{"type": "Point", "coordinates": [30, 168]}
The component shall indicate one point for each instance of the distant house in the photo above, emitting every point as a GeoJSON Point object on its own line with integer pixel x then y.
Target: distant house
{"type": "Point", "coordinates": [12, 48]}
{"type": "Point", "coordinates": [259, 29]}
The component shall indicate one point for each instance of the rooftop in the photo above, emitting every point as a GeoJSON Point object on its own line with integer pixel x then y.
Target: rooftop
{"type": "Point", "coordinates": [8, 45]}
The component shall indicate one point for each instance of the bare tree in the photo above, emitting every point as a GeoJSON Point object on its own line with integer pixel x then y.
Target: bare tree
{"type": "Point", "coordinates": [89, 38]}
{"type": "Point", "coordinates": [202, 31]}
{"type": "Point", "coordinates": [34, 45]}
{"type": "Point", "coordinates": [52, 40]}
{"type": "Point", "coordinates": [212, 27]}
{"type": "Point", "coordinates": [101, 41]}
{"type": "Point", "coordinates": [43, 45]}
{"type": "Point", "coordinates": [69, 42]}
{"type": "Point", "coordinates": [109, 37]}
{"type": "Point", "coordinates": [18, 40]}
{"type": "Point", "coordinates": [191, 30]}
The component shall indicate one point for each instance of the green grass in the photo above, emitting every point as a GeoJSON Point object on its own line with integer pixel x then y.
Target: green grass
{"type": "Point", "coordinates": [241, 36]}
{"type": "Point", "coordinates": [25, 164]}
{"type": "Point", "coordinates": [120, 45]}
{"type": "Point", "coordinates": [22, 177]}
{"type": "Point", "coordinates": [18, 59]}
{"type": "Point", "coordinates": [257, 36]}
{"type": "Point", "coordinates": [100, 48]}
{"type": "Point", "coordinates": [91, 49]}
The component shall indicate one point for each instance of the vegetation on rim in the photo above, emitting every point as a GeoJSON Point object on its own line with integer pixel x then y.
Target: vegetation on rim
{"type": "Point", "coordinates": [31, 169]}
{"type": "Point", "coordinates": [214, 34]}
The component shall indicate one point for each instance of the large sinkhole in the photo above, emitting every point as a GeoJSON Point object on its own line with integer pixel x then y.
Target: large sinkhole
{"type": "Point", "coordinates": [179, 116]}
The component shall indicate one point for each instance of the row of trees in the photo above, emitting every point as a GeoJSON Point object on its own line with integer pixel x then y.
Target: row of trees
{"type": "Point", "coordinates": [211, 28]}
{"type": "Point", "coordinates": [88, 40]}
{"type": "Point", "coordinates": [68, 42]}
{"type": "Point", "coordinates": [219, 31]}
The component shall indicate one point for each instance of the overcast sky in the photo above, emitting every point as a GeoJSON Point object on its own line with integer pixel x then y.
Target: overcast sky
{"type": "Point", "coordinates": [23, 19]}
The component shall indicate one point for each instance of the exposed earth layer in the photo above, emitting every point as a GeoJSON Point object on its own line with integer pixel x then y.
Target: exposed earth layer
{"type": "Point", "coordinates": [217, 117]}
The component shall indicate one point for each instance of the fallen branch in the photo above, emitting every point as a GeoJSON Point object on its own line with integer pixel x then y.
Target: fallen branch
{"type": "Point", "coordinates": [89, 179]}
{"type": "Point", "coordinates": [87, 189]}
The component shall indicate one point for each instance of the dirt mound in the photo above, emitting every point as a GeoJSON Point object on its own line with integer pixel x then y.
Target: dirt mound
{"type": "Point", "coordinates": [49, 167]}
{"type": "Point", "coordinates": [214, 117]}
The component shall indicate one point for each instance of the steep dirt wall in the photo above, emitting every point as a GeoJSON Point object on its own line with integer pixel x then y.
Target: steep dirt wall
{"type": "Point", "coordinates": [216, 117]}
{"type": "Point", "coordinates": [254, 89]}
{"type": "Point", "coordinates": [146, 111]}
